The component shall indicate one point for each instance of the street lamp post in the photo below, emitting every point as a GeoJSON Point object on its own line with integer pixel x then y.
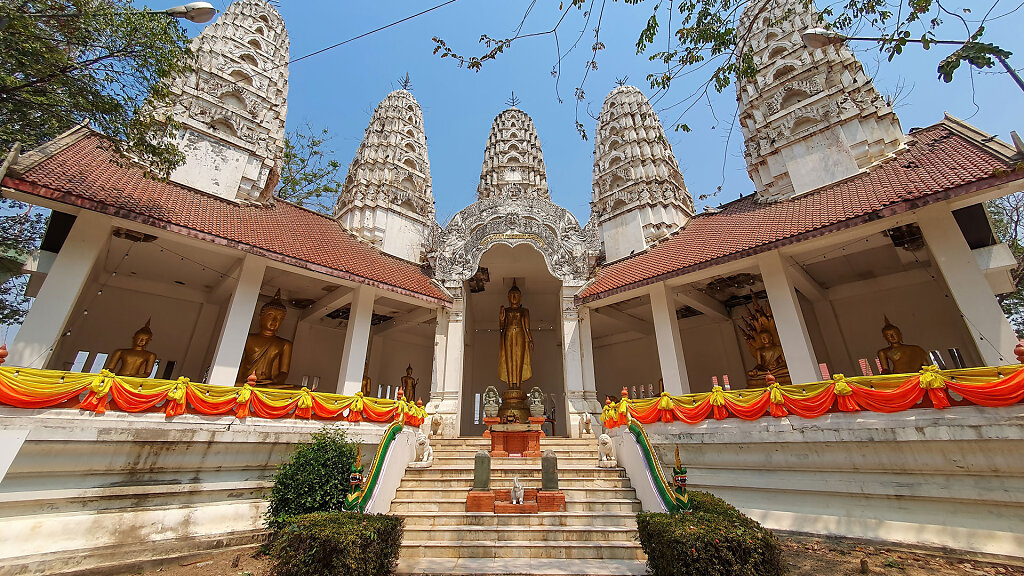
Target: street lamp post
{"type": "Point", "coordinates": [815, 38]}
{"type": "Point", "coordinates": [198, 12]}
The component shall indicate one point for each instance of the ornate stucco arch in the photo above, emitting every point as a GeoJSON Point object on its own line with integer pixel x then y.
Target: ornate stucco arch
{"type": "Point", "coordinates": [514, 218]}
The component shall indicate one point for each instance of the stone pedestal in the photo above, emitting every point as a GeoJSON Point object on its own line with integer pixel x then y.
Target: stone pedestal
{"type": "Point", "coordinates": [513, 401]}
{"type": "Point", "coordinates": [521, 440]}
{"type": "Point", "coordinates": [490, 421]}
{"type": "Point", "coordinates": [500, 501]}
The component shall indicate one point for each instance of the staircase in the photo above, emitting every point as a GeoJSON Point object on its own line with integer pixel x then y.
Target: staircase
{"type": "Point", "coordinates": [599, 523]}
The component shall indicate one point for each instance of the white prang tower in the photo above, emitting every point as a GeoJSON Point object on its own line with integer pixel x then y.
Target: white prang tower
{"type": "Point", "coordinates": [386, 198]}
{"type": "Point", "coordinates": [639, 195]}
{"type": "Point", "coordinates": [233, 107]}
{"type": "Point", "coordinates": [513, 162]}
{"type": "Point", "coordinates": [809, 117]}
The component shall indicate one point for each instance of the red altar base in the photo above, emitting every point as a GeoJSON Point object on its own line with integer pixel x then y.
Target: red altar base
{"type": "Point", "coordinates": [521, 440]}
{"type": "Point", "coordinates": [500, 501]}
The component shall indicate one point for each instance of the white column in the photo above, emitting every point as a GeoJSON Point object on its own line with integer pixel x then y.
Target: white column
{"type": "Point", "coordinates": [357, 337]}
{"type": "Point", "coordinates": [670, 343]}
{"type": "Point", "coordinates": [440, 355]}
{"type": "Point", "coordinates": [983, 316]}
{"type": "Point", "coordinates": [572, 364]}
{"type": "Point", "coordinates": [228, 355]}
{"type": "Point", "coordinates": [51, 311]}
{"type": "Point", "coordinates": [453, 365]}
{"type": "Point", "coordinates": [796, 344]}
{"type": "Point", "coordinates": [587, 359]}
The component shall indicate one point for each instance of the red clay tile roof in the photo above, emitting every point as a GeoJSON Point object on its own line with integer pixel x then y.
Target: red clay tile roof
{"type": "Point", "coordinates": [939, 164]}
{"type": "Point", "coordinates": [83, 174]}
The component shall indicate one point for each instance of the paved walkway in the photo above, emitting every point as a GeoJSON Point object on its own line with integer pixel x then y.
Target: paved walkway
{"type": "Point", "coordinates": [520, 566]}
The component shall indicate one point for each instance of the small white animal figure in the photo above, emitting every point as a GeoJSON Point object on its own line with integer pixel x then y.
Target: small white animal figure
{"type": "Point", "coordinates": [585, 426]}
{"type": "Point", "coordinates": [436, 425]}
{"type": "Point", "coordinates": [518, 492]}
{"type": "Point", "coordinates": [424, 451]}
{"type": "Point", "coordinates": [604, 448]}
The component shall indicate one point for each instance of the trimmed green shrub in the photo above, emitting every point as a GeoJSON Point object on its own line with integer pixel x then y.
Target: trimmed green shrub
{"type": "Point", "coordinates": [337, 544]}
{"type": "Point", "coordinates": [314, 480]}
{"type": "Point", "coordinates": [715, 539]}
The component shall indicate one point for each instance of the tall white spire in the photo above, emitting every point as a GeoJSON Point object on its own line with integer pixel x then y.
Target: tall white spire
{"type": "Point", "coordinates": [387, 198]}
{"type": "Point", "coordinates": [809, 117]}
{"type": "Point", "coordinates": [639, 195]}
{"type": "Point", "coordinates": [513, 162]}
{"type": "Point", "coordinates": [233, 107]}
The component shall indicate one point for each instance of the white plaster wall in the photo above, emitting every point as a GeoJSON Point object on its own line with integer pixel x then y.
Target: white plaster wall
{"type": "Point", "coordinates": [210, 165]}
{"type": "Point", "coordinates": [394, 351]}
{"type": "Point", "coordinates": [819, 160]}
{"type": "Point", "coordinates": [86, 489]}
{"type": "Point", "coordinates": [932, 477]}
{"type": "Point", "coordinates": [316, 351]}
{"type": "Point", "coordinates": [403, 236]}
{"type": "Point", "coordinates": [923, 313]}
{"type": "Point", "coordinates": [115, 316]}
{"type": "Point", "coordinates": [629, 363]}
{"type": "Point", "coordinates": [622, 235]}
{"type": "Point", "coordinates": [704, 347]}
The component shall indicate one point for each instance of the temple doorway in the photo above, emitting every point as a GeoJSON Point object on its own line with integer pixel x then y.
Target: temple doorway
{"type": "Point", "coordinates": [486, 292]}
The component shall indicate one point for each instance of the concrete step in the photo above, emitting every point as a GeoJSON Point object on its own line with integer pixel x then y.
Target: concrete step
{"type": "Point", "coordinates": [518, 566]}
{"type": "Point", "coordinates": [440, 459]}
{"type": "Point", "coordinates": [426, 519]}
{"type": "Point", "coordinates": [506, 471]}
{"type": "Point", "coordinates": [624, 550]}
{"type": "Point", "coordinates": [571, 494]}
{"type": "Point", "coordinates": [401, 506]}
{"type": "Point", "coordinates": [416, 481]}
{"type": "Point", "coordinates": [535, 533]}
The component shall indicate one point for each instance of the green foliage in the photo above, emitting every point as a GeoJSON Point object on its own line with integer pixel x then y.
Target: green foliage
{"type": "Point", "coordinates": [309, 172]}
{"type": "Point", "coordinates": [709, 37]}
{"type": "Point", "coordinates": [66, 61]}
{"type": "Point", "coordinates": [1007, 215]}
{"type": "Point", "coordinates": [892, 563]}
{"type": "Point", "coordinates": [337, 543]}
{"type": "Point", "coordinates": [714, 539]}
{"type": "Point", "coordinates": [314, 480]}
{"type": "Point", "coordinates": [21, 228]}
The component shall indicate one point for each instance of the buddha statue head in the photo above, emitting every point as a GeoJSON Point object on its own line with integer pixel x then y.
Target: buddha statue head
{"type": "Point", "coordinates": [514, 295]}
{"type": "Point", "coordinates": [408, 370]}
{"type": "Point", "coordinates": [272, 314]}
{"type": "Point", "coordinates": [891, 333]}
{"type": "Point", "coordinates": [765, 339]}
{"type": "Point", "coordinates": [142, 336]}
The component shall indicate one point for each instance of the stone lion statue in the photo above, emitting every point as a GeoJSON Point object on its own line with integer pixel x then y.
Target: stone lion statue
{"type": "Point", "coordinates": [491, 402]}
{"type": "Point", "coordinates": [606, 457]}
{"type": "Point", "coordinates": [586, 426]}
{"type": "Point", "coordinates": [536, 401]}
{"type": "Point", "coordinates": [518, 492]}
{"type": "Point", "coordinates": [436, 425]}
{"type": "Point", "coordinates": [424, 451]}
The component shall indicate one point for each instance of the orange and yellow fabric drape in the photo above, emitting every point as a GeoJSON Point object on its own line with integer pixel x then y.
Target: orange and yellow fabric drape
{"type": "Point", "coordinates": [30, 388]}
{"type": "Point", "coordinates": [982, 386]}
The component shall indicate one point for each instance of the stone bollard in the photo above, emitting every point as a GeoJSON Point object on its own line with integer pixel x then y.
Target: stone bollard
{"type": "Point", "coordinates": [482, 471]}
{"type": "Point", "coordinates": [549, 471]}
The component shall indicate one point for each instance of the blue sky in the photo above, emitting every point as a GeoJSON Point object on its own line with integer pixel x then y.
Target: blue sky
{"type": "Point", "coordinates": [340, 88]}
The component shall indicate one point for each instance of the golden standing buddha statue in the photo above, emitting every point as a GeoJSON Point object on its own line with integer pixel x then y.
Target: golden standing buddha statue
{"type": "Point", "coordinates": [136, 362]}
{"type": "Point", "coordinates": [897, 357]}
{"type": "Point", "coordinates": [516, 342]}
{"type": "Point", "coordinates": [367, 383]}
{"type": "Point", "coordinates": [409, 385]}
{"type": "Point", "coordinates": [266, 354]}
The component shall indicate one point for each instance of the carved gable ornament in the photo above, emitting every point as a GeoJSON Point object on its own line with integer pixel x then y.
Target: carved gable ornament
{"type": "Point", "coordinates": [569, 251]}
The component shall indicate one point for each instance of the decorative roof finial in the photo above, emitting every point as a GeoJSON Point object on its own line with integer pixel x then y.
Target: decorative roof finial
{"type": "Point", "coordinates": [405, 82]}
{"type": "Point", "coordinates": [513, 101]}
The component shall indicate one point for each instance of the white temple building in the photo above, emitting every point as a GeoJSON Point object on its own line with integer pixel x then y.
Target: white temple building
{"type": "Point", "coordinates": [849, 221]}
